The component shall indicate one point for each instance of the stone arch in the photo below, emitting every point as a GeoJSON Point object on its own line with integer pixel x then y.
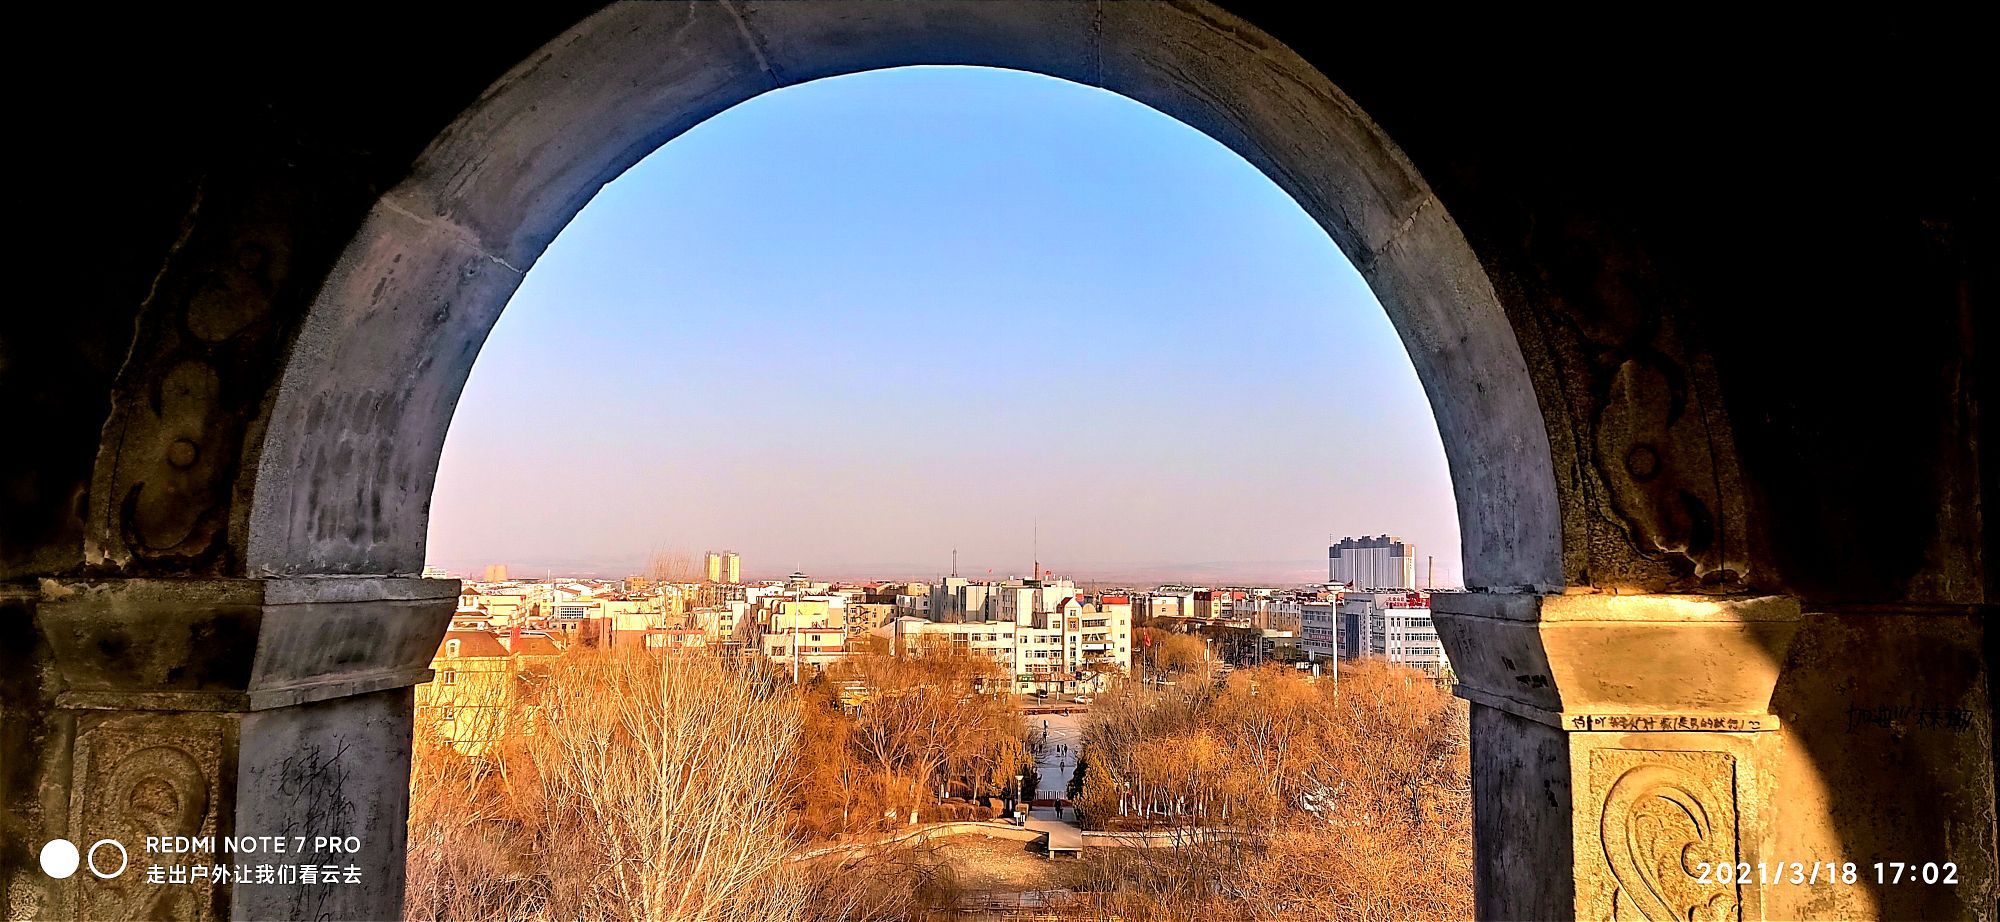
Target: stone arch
{"type": "Point", "coordinates": [174, 493]}
{"type": "Point", "coordinates": [352, 443]}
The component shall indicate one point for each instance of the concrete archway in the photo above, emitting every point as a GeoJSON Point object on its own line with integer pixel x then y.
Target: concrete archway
{"type": "Point", "coordinates": [216, 564]}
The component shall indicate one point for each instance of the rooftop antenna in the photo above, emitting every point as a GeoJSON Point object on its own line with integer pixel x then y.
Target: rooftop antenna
{"type": "Point", "coordinates": [954, 562]}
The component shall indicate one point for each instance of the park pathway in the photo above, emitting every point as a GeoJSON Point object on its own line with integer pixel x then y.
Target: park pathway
{"type": "Point", "coordinates": [1056, 738]}
{"type": "Point", "coordinates": [1063, 836]}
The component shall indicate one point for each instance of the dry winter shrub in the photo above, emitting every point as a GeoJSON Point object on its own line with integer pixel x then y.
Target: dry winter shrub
{"type": "Point", "coordinates": [465, 858]}
{"type": "Point", "coordinates": [920, 736]}
{"type": "Point", "coordinates": [628, 784]}
{"type": "Point", "coordinates": [650, 788]}
{"type": "Point", "coordinates": [905, 881]}
{"type": "Point", "coordinates": [1330, 801]}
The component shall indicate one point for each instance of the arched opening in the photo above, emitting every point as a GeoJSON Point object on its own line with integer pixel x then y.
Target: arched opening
{"type": "Point", "coordinates": [361, 413]}
{"type": "Point", "coordinates": [1019, 300]}
{"type": "Point", "coordinates": [394, 331]}
{"type": "Point", "coordinates": [817, 314]}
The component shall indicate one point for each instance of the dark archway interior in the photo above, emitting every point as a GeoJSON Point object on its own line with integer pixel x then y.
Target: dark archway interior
{"type": "Point", "coordinates": [1748, 268]}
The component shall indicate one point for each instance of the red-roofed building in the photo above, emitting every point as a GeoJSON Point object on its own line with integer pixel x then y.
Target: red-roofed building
{"type": "Point", "coordinates": [479, 677]}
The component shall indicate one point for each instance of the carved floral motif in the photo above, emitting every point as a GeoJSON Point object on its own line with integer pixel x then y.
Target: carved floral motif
{"type": "Point", "coordinates": [135, 779]}
{"type": "Point", "coordinates": [1667, 821]}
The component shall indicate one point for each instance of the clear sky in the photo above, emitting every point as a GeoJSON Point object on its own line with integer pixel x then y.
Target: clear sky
{"type": "Point", "coordinates": [853, 324]}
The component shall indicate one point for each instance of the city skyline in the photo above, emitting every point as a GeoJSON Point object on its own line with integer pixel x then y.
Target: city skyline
{"type": "Point", "coordinates": [1145, 351]}
{"type": "Point", "coordinates": [1309, 571]}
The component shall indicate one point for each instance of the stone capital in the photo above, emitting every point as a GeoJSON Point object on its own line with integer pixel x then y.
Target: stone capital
{"type": "Point", "coordinates": [239, 645]}
{"type": "Point", "coordinates": [1668, 663]}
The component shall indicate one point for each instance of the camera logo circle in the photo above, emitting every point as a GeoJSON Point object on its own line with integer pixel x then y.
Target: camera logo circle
{"type": "Point", "coordinates": [123, 859]}
{"type": "Point", "coordinates": [59, 858]}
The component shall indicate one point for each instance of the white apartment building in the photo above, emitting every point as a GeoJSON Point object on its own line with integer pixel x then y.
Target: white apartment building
{"type": "Point", "coordinates": [805, 650]}
{"type": "Point", "coordinates": [1381, 562]}
{"type": "Point", "coordinates": [955, 599]}
{"type": "Point", "coordinates": [1164, 602]}
{"type": "Point", "coordinates": [719, 621]}
{"type": "Point", "coordinates": [829, 612]}
{"type": "Point", "coordinates": [1045, 635]}
{"type": "Point", "coordinates": [1394, 625]}
{"type": "Point", "coordinates": [1274, 613]}
{"type": "Point", "coordinates": [867, 616]}
{"type": "Point", "coordinates": [502, 605]}
{"type": "Point", "coordinates": [913, 606]}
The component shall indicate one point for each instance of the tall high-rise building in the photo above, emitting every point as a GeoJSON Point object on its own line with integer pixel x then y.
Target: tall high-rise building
{"type": "Point", "coordinates": [495, 573]}
{"type": "Point", "coordinates": [732, 567]}
{"type": "Point", "coordinates": [1381, 562]}
{"type": "Point", "coordinates": [711, 567]}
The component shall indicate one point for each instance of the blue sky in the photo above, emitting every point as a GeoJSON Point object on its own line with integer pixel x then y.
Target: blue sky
{"type": "Point", "coordinates": [852, 324]}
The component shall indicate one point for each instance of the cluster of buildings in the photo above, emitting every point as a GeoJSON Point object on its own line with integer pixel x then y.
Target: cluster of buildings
{"type": "Point", "coordinates": [1370, 606]}
{"type": "Point", "coordinates": [1049, 636]}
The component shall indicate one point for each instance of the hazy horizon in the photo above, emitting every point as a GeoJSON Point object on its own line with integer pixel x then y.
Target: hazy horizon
{"type": "Point", "coordinates": [1283, 572]}
{"type": "Point", "coordinates": [850, 325]}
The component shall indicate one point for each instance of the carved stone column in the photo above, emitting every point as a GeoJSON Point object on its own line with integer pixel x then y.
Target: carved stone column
{"type": "Point", "coordinates": [1619, 742]}
{"type": "Point", "coordinates": [231, 707]}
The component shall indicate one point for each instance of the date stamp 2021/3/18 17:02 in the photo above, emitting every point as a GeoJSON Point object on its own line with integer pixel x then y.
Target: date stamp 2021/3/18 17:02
{"type": "Point", "coordinates": [1887, 873]}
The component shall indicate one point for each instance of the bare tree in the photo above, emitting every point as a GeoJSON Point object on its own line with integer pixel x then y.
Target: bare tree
{"type": "Point", "coordinates": [675, 565]}
{"type": "Point", "coordinates": [635, 786]}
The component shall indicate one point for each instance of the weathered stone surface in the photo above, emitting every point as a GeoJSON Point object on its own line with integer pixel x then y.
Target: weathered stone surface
{"type": "Point", "coordinates": [1590, 657]}
{"type": "Point", "coordinates": [1888, 756]}
{"type": "Point", "coordinates": [210, 708]}
{"type": "Point", "coordinates": [337, 767]}
{"type": "Point", "coordinates": [141, 775]}
{"type": "Point", "coordinates": [239, 645]}
{"type": "Point", "coordinates": [1745, 709]}
{"type": "Point", "coordinates": [1664, 753]}
{"type": "Point", "coordinates": [1659, 815]}
{"type": "Point", "coordinates": [1522, 845]}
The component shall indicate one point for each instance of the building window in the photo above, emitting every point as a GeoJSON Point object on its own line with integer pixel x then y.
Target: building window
{"type": "Point", "coordinates": [450, 713]}
{"type": "Point", "coordinates": [449, 676]}
{"type": "Point", "coordinates": [451, 648]}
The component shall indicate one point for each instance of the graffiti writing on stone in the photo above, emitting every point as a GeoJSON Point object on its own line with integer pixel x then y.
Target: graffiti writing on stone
{"type": "Point", "coordinates": [1910, 717]}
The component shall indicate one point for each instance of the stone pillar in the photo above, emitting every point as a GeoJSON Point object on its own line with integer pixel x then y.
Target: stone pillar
{"type": "Point", "coordinates": [229, 707]}
{"type": "Point", "coordinates": [1619, 742]}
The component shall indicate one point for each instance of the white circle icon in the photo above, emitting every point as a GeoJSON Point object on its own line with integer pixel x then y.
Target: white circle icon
{"type": "Point", "coordinates": [123, 860]}
{"type": "Point", "coordinates": [59, 858]}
